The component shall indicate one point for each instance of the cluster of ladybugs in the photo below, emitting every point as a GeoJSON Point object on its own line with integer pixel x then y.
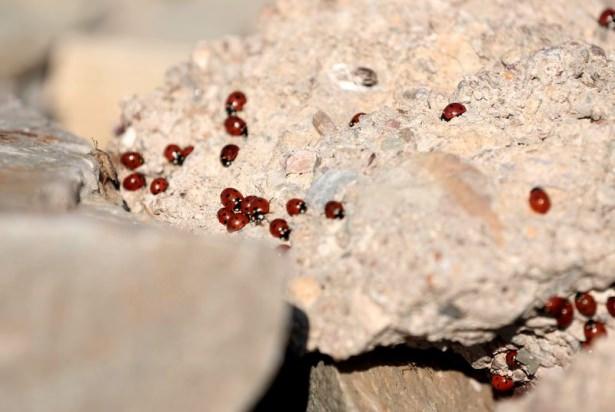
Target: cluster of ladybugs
{"type": "Point", "coordinates": [136, 180]}
{"type": "Point", "coordinates": [562, 309]}
{"type": "Point", "coordinates": [237, 211]}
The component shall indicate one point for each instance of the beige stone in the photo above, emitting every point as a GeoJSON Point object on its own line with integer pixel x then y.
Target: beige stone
{"type": "Point", "coordinates": [91, 74]}
{"type": "Point", "coordinates": [394, 387]}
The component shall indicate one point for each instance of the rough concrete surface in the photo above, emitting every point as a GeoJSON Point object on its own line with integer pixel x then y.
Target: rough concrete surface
{"type": "Point", "coordinates": [439, 243]}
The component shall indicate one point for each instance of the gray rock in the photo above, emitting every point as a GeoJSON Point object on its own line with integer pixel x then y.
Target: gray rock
{"type": "Point", "coordinates": [101, 316]}
{"type": "Point", "coordinates": [41, 166]}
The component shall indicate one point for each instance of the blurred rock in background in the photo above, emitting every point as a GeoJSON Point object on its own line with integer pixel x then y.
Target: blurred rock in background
{"type": "Point", "coordinates": [76, 59]}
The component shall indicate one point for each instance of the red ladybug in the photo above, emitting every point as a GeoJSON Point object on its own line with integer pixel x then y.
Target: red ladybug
{"type": "Point", "coordinates": [173, 154]}
{"type": "Point", "coordinates": [610, 305]}
{"type": "Point", "coordinates": [231, 198]}
{"type": "Point", "coordinates": [607, 18]}
{"type": "Point", "coordinates": [355, 119]}
{"type": "Point", "coordinates": [237, 222]}
{"type": "Point", "coordinates": [279, 228]}
{"type": "Point", "coordinates": [539, 200]}
{"type": "Point", "coordinates": [453, 110]}
{"type": "Point", "coordinates": [228, 154]}
{"type": "Point", "coordinates": [132, 160]}
{"type": "Point", "coordinates": [256, 208]}
{"type": "Point", "coordinates": [586, 304]}
{"type": "Point", "coordinates": [134, 181]}
{"type": "Point", "coordinates": [511, 359]}
{"type": "Point", "coordinates": [236, 126]}
{"type": "Point", "coordinates": [554, 305]}
{"type": "Point", "coordinates": [502, 384]}
{"type": "Point", "coordinates": [296, 207]}
{"type": "Point", "coordinates": [566, 315]}
{"type": "Point", "coordinates": [159, 185]}
{"type": "Point", "coordinates": [224, 215]}
{"type": "Point", "coordinates": [235, 102]}
{"type": "Point", "coordinates": [561, 309]}
{"type": "Point", "coordinates": [593, 329]}
{"type": "Point", "coordinates": [334, 210]}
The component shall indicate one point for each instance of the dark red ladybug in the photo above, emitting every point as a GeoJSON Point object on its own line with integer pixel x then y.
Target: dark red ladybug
{"type": "Point", "coordinates": [566, 315]}
{"type": "Point", "coordinates": [539, 200]}
{"type": "Point", "coordinates": [228, 154]}
{"type": "Point", "coordinates": [355, 119]}
{"type": "Point", "coordinates": [607, 18]}
{"type": "Point", "coordinates": [334, 210]}
{"type": "Point", "coordinates": [586, 304]}
{"type": "Point", "coordinates": [453, 110]}
{"type": "Point", "coordinates": [173, 154]}
{"type": "Point", "coordinates": [511, 359]}
{"type": "Point", "coordinates": [593, 329]}
{"type": "Point", "coordinates": [159, 185]}
{"type": "Point", "coordinates": [224, 214]}
{"type": "Point", "coordinates": [231, 198]}
{"type": "Point", "coordinates": [256, 208]}
{"type": "Point", "coordinates": [279, 228]}
{"type": "Point", "coordinates": [134, 181]}
{"type": "Point", "coordinates": [235, 102]}
{"type": "Point", "coordinates": [296, 207]}
{"type": "Point", "coordinates": [132, 160]}
{"type": "Point", "coordinates": [236, 126]}
{"type": "Point", "coordinates": [237, 222]}
{"type": "Point", "coordinates": [502, 384]}
{"type": "Point", "coordinates": [554, 305]}
{"type": "Point", "coordinates": [610, 305]}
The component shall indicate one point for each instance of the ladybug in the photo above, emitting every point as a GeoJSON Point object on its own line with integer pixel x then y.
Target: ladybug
{"type": "Point", "coordinates": [566, 315]}
{"type": "Point", "coordinates": [134, 181]}
{"type": "Point", "coordinates": [554, 305]}
{"type": "Point", "coordinates": [511, 359]}
{"type": "Point", "coordinates": [593, 329]}
{"type": "Point", "coordinates": [586, 304]}
{"type": "Point", "coordinates": [355, 119]}
{"type": "Point", "coordinates": [236, 126]}
{"type": "Point", "coordinates": [256, 208]}
{"type": "Point", "coordinates": [334, 210]}
{"type": "Point", "coordinates": [502, 384]}
{"type": "Point", "coordinates": [607, 18]}
{"type": "Point", "coordinates": [228, 154]}
{"type": "Point", "coordinates": [296, 207]}
{"type": "Point", "coordinates": [132, 160]}
{"type": "Point", "coordinates": [610, 305]}
{"type": "Point", "coordinates": [231, 198]}
{"type": "Point", "coordinates": [539, 200]}
{"type": "Point", "coordinates": [159, 185]}
{"type": "Point", "coordinates": [224, 215]}
{"type": "Point", "coordinates": [235, 102]}
{"type": "Point", "coordinates": [236, 222]}
{"type": "Point", "coordinates": [173, 154]}
{"type": "Point", "coordinates": [452, 110]}
{"type": "Point", "coordinates": [279, 228]}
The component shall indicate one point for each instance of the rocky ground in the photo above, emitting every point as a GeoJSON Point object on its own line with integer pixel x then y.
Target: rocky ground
{"type": "Point", "coordinates": [439, 248]}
